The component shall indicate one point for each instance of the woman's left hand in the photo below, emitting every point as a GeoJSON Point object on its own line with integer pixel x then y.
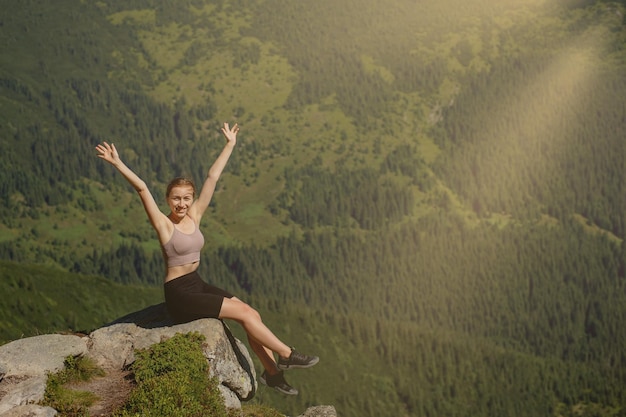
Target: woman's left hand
{"type": "Point", "coordinates": [230, 134]}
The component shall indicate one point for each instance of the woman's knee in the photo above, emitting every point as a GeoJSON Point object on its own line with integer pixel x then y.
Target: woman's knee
{"type": "Point", "coordinates": [251, 313]}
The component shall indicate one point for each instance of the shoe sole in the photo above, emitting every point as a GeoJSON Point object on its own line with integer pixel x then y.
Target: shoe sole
{"type": "Point", "coordinates": [286, 367]}
{"type": "Point", "coordinates": [295, 392]}
{"type": "Point", "coordinates": [264, 382]}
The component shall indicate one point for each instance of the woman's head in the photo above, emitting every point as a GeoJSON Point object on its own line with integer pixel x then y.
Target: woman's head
{"type": "Point", "coordinates": [180, 195]}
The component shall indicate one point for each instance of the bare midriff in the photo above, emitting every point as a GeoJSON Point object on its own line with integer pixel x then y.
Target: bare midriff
{"type": "Point", "coordinates": [174, 272]}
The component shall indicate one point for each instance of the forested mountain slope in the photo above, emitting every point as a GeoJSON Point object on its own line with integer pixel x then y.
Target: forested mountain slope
{"type": "Point", "coordinates": [440, 185]}
{"type": "Point", "coordinates": [38, 299]}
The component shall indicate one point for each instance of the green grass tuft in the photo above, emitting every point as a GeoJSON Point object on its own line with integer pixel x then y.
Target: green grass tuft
{"type": "Point", "coordinates": [173, 380]}
{"type": "Point", "coordinates": [67, 401]}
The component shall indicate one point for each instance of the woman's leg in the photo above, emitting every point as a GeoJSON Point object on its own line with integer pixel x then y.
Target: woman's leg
{"type": "Point", "coordinates": [265, 355]}
{"type": "Point", "coordinates": [250, 319]}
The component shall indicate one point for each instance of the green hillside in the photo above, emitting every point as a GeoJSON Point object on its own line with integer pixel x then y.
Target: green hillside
{"type": "Point", "coordinates": [431, 195]}
{"type": "Point", "coordinates": [38, 299]}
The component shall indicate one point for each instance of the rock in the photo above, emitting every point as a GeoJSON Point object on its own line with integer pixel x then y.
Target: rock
{"type": "Point", "coordinates": [113, 346]}
{"type": "Point", "coordinates": [30, 411]}
{"type": "Point", "coordinates": [39, 354]}
{"type": "Point", "coordinates": [25, 363]}
{"type": "Point", "coordinates": [320, 411]}
{"type": "Point", "coordinates": [18, 391]}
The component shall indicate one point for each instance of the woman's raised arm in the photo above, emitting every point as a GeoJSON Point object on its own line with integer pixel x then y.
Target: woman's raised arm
{"type": "Point", "coordinates": [109, 153]}
{"type": "Point", "coordinates": [208, 187]}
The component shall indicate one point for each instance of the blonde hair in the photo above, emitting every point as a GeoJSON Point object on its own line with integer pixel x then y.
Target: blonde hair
{"type": "Point", "coordinates": [180, 182]}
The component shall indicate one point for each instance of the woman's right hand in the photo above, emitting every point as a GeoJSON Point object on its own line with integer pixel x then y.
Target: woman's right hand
{"type": "Point", "coordinates": [108, 153]}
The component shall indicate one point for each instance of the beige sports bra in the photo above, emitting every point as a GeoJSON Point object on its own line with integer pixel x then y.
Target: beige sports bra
{"type": "Point", "coordinates": [183, 248]}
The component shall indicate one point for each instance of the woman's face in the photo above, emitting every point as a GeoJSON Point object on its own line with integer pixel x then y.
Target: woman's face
{"type": "Point", "coordinates": [180, 199]}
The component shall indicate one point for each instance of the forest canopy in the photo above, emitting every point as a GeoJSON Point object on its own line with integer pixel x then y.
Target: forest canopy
{"type": "Point", "coordinates": [436, 187]}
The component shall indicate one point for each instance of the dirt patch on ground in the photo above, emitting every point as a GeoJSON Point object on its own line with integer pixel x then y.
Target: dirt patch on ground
{"type": "Point", "coordinates": [113, 390]}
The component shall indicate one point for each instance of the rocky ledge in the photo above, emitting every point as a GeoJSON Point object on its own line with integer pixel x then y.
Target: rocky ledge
{"type": "Point", "coordinates": [25, 363]}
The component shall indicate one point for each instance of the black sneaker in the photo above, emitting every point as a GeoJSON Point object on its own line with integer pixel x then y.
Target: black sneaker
{"type": "Point", "coordinates": [278, 383]}
{"type": "Point", "coordinates": [297, 360]}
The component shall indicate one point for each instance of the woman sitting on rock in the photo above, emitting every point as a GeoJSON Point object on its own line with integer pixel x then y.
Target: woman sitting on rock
{"type": "Point", "coordinates": [187, 296]}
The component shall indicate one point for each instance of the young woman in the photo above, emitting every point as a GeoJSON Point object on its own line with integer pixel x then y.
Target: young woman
{"type": "Point", "coordinates": [187, 296]}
